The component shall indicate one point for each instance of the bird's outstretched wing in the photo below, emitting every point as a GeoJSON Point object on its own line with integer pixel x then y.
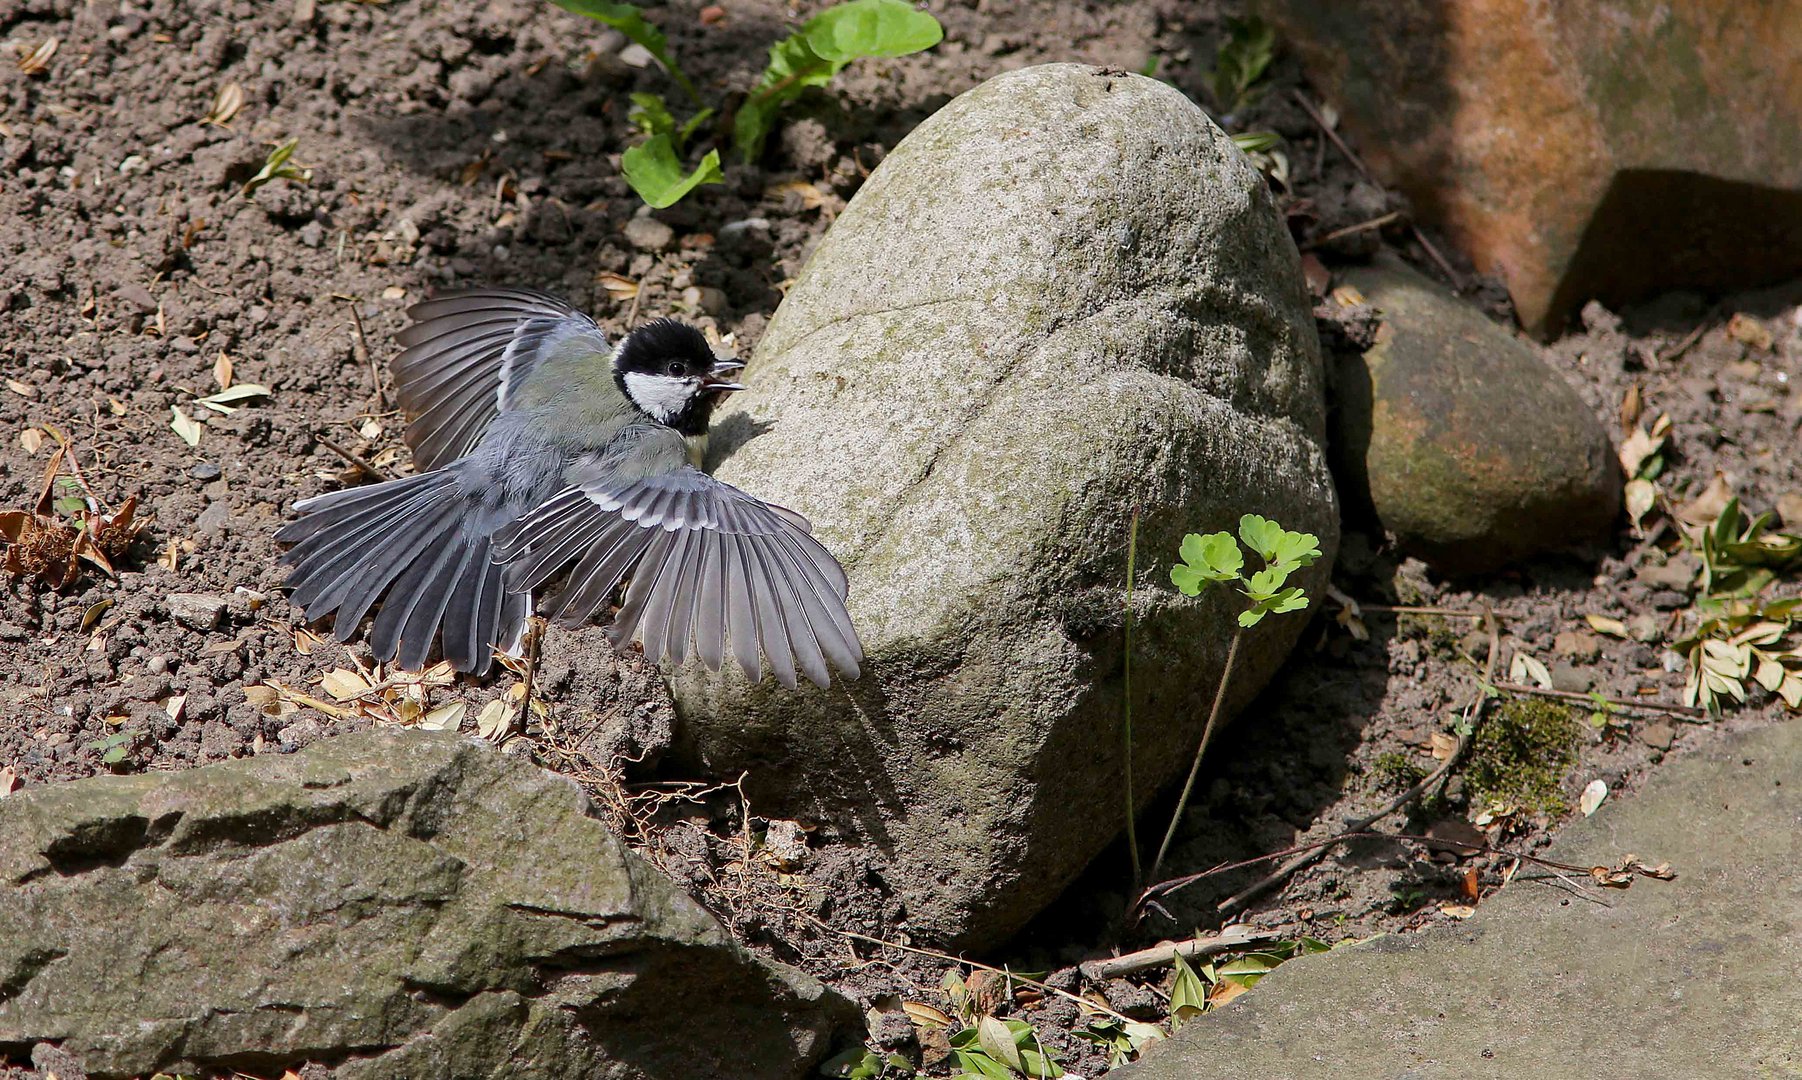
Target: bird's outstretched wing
{"type": "Point", "coordinates": [466, 354]}
{"type": "Point", "coordinates": [707, 562]}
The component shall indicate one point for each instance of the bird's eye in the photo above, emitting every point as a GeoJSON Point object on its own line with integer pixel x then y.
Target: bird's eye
{"type": "Point", "coordinates": [677, 369]}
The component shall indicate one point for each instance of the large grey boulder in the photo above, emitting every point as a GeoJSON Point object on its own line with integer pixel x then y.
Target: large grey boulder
{"type": "Point", "coordinates": [396, 904]}
{"type": "Point", "coordinates": [1064, 295]}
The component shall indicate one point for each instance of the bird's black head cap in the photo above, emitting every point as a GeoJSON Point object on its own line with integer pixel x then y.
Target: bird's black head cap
{"type": "Point", "coordinates": [667, 369]}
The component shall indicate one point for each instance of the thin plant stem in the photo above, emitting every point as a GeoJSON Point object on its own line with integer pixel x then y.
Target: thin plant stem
{"type": "Point", "coordinates": [1132, 836]}
{"type": "Point", "coordinates": [1182, 801]}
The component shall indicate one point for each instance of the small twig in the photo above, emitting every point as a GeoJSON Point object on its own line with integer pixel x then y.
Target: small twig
{"type": "Point", "coordinates": [355, 459]}
{"type": "Point", "coordinates": [1688, 342]}
{"type": "Point", "coordinates": [1474, 717]}
{"type": "Point", "coordinates": [1357, 163]}
{"type": "Point", "coordinates": [534, 636]}
{"type": "Point", "coordinates": [1131, 963]}
{"type": "Point", "coordinates": [1353, 230]}
{"type": "Point", "coordinates": [359, 349]}
{"type": "Point", "coordinates": [1403, 609]}
{"type": "Point", "coordinates": [947, 957]}
{"type": "Point", "coordinates": [1623, 703]}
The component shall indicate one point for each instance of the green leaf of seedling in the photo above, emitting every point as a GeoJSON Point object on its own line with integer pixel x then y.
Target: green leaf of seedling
{"type": "Point", "coordinates": [867, 28]}
{"type": "Point", "coordinates": [1266, 583]}
{"type": "Point", "coordinates": [277, 167]}
{"type": "Point", "coordinates": [1297, 549]}
{"type": "Point", "coordinates": [629, 20]}
{"type": "Point", "coordinates": [1260, 535]}
{"type": "Point", "coordinates": [651, 115]}
{"type": "Point", "coordinates": [1188, 994]}
{"type": "Point", "coordinates": [1291, 599]}
{"type": "Point", "coordinates": [70, 505]}
{"type": "Point", "coordinates": [812, 55]}
{"type": "Point", "coordinates": [655, 172]}
{"type": "Point", "coordinates": [693, 125]}
{"type": "Point", "coordinates": [1216, 556]}
{"type": "Point", "coordinates": [1252, 616]}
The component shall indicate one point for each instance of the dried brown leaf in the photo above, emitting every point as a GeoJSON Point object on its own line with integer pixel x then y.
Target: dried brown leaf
{"type": "Point", "coordinates": [37, 61]}
{"type": "Point", "coordinates": [226, 104]}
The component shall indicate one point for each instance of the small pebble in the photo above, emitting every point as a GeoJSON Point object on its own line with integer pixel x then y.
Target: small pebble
{"type": "Point", "coordinates": [157, 665]}
{"type": "Point", "coordinates": [649, 234]}
{"type": "Point", "coordinates": [204, 471]}
{"type": "Point", "coordinates": [198, 610]}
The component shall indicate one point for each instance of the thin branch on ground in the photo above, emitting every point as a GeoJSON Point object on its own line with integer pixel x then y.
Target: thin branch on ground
{"type": "Point", "coordinates": [1357, 163]}
{"type": "Point", "coordinates": [1688, 342]}
{"type": "Point", "coordinates": [534, 637]}
{"type": "Point", "coordinates": [1353, 230]}
{"type": "Point", "coordinates": [359, 349]}
{"type": "Point", "coordinates": [354, 458]}
{"type": "Point", "coordinates": [1132, 963]}
{"type": "Point", "coordinates": [948, 958]}
{"type": "Point", "coordinates": [1591, 699]}
{"type": "Point", "coordinates": [1408, 609]}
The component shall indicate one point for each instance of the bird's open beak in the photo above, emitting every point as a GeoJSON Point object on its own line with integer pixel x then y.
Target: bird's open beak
{"type": "Point", "coordinates": [719, 377]}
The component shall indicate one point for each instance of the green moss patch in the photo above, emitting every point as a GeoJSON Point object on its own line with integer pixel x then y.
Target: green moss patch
{"type": "Point", "coordinates": [1521, 754]}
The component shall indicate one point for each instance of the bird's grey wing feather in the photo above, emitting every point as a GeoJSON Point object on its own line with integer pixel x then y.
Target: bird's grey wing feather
{"type": "Point", "coordinates": [709, 564]}
{"type": "Point", "coordinates": [466, 355]}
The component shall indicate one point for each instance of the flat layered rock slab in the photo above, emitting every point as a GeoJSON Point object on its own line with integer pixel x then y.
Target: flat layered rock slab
{"type": "Point", "coordinates": [1691, 977]}
{"type": "Point", "coordinates": [394, 904]}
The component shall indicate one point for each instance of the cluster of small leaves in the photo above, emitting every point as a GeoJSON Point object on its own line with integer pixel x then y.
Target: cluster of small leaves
{"type": "Point", "coordinates": [811, 56]}
{"type": "Point", "coordinates": [1241, 63]}
{"type": "Point", "coordinates": [1743, 640]}
{"type": "Point", "coordinates": [112, 748]}
{"type": "Point", "coordinates": [990, 1048]}
{"type": "Point", "coordinates": [1217, 557]}
{"type": "Point", "coordinates": [1740, 637]}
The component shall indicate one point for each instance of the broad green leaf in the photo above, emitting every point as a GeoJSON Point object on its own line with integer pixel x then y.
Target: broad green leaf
{"type": "Point", "coordinates": [1266, 582]}
{"type": "Point", "coordinates": [1216, 555]}
{"type": "Point", "coordinates": [1188, 994]}
{"type": "Point", "coordinates": [864, 28]}
{"type": "Point", "coordinates": [812, 55]}
{"type": "Point", "coordinates": [70, 505]}
{"type": "Point", "coordinates": [1290, 599]}
{"type": "Point", "coordinates": [1187, 579]}
{"type": "Point", "coordinates": [655, 172]}
{"type": "Point", "coordinates": [997, 1041]}
{"type": "Point", "coordinates": [1260, 535]}
{"type": "Point", "coordinates": [1297, 549]}
{"type": "Point", "coordinates": [629, 20]}
{"type": "Point", "coordinates": [1251, 617]}
{"type": "Point", "coordinates": [978, 1064]}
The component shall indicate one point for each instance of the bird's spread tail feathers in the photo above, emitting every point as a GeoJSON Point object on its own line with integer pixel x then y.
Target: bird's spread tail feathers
{"type": "Point", "coordinates": [412, 544]}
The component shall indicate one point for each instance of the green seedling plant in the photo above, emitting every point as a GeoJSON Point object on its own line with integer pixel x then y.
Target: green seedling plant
{"type": "Point", "coordinates": [1242, 62]}
{"type": "Point", "coordinates": [279, 165]}
{"type": "Point", "coordinates": [112, 748]}
{"type": "Point", "coordinates": [1217, 558]}
{"type": "Point", "coordinates": [811, 56]}
{"type": "Point", "coordinates": [1742, 637]}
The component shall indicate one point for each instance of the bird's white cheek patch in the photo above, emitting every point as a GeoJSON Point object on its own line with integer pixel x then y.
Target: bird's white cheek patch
{"type": "Point", "coordinates": [664, 398]}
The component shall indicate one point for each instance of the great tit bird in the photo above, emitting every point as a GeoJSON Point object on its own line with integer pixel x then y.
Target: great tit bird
{"type": "Point", "coordinates": [539, 444]}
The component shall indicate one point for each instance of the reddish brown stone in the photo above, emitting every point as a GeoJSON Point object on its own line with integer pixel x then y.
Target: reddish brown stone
{"type": "Point", "coordinates": [1589, 149]}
